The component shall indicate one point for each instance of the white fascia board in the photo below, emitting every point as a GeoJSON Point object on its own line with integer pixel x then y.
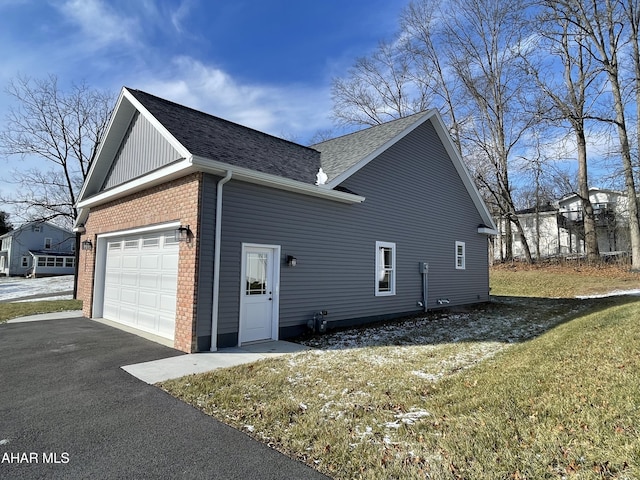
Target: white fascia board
{"type": "Point", "coordinates": [334, 182]}
{"type": "Point", "coordinates": [116, 114]}
{"type": "Point", "coordinates": [487, 230]}
{"type": "Point", "coordinates": [274, 181]}
{"type": "Point", "coordinates": [161, 175]}
{"type": "Point", "coordinates": [182, 151]}
{"type": "Point", "coordinates": [123, 112]}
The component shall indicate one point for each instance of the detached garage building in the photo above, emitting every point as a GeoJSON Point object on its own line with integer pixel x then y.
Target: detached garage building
{"type": "Point", "coordinates": [212, 234]}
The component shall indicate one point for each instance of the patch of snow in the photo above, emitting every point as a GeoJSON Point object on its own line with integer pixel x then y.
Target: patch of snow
{"type": "Point", "coordinates": [19, 287]}
{"type": "Point", "coordinates": [432, 377]}
{"type": "Point", "coordinates": [615, 293]}
{"type": "Point", "coordinates": [57, 297]}
{"type": "Point", "coordinates": [410, 417]}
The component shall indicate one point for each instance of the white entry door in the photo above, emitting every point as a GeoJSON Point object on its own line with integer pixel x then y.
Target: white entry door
{"type": "Point", "coordinates": [259, 293]}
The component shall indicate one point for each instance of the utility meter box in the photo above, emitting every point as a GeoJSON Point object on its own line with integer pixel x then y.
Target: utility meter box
{"type": "Point", "coordinates": [424, 267]}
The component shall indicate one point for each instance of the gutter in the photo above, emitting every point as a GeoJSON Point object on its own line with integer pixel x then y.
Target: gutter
{"type": "Point", "coordinates": [216, 262]}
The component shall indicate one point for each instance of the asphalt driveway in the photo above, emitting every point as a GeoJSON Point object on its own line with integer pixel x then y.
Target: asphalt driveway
{"type": "Point", "coordinates": [67, 410]}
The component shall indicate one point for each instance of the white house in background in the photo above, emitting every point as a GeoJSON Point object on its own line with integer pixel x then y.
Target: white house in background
{"type": "Point", "coordinates": [558, 230]}
{"type": "Point", "coordinates": [611, 209]}
{"type": "Point", "coordinates": [37, 249]}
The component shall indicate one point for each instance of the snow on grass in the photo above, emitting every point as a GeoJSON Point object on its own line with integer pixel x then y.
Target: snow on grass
{"type": "Point", "coordinates": [614, 293]}
{"type": "Point", "coordinates": [429, 347]}
{"type": "Point", "coordinates": [14, 288]}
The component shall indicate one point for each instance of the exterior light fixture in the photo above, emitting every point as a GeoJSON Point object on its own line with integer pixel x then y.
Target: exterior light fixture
{"type": "Point", "coordinates": [291, 261]}
{"type": "Point", "coordinates": [87, 245]}
{"type": "Point", "coordinates": [183, 234]}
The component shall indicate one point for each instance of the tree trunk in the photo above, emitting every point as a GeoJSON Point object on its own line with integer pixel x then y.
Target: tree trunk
{"type": "Point", "coordinates": [590, 232]}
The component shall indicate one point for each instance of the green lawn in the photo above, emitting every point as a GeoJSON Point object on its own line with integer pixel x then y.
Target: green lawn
{"type": "Point", "coordinates": [519, 388]}
{"type": "Point", "coordinates": [560, 281]}
{"type": "Point", "coordinates": [11, 310]}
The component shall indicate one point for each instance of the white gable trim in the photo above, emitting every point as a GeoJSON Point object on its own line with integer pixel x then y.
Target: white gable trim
{"type": "Point", "coordinates": [181, 149]}
{"type": "Point", "coordinates": [463, 172]}
{"type": "Point", "coordinates": [125, 109]}
{"type": "Point", "coordinates": [439, 126]}
{"type": "Point", "coordinates": [200, 164]}
{"type": "Point", "coordinates": [354, 168]}
{"type": "Point", "coordinates": [157, 177]}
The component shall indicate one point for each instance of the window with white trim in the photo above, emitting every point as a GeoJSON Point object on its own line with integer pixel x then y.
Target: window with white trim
{"type": "Point", "coordinates": [47, 243]}
{"type": "Point", "coordinates": [25, 262]}
{"type": "Point", "coordinates": [460, 256]}
{"type": "Point", "coordinates": [385, 268]}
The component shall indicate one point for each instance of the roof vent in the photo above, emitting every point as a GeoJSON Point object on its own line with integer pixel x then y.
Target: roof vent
{"type": "Point", "coordinates": [321, 177]}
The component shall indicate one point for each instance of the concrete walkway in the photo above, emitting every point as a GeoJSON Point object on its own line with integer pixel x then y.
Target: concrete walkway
{"type": "Point", "coordinates": [178, 366]}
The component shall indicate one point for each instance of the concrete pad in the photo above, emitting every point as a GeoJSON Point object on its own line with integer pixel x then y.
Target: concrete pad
{"type": "Point", "coordinates": [176, 367]}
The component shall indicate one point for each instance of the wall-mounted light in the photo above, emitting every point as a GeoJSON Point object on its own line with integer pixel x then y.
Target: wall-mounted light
{"type": "Point", "coordinates": [183, 234]}
{"type": "Point", "coordinates": [292, 261]}
{"type": "Point", "coordinates": [87, 245]}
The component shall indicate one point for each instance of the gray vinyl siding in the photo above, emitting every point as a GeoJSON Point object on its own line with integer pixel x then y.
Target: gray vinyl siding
{"type": "Point", "coordinates": [414, 198]}
{"type": "Point", "coordinates": [143, 150]}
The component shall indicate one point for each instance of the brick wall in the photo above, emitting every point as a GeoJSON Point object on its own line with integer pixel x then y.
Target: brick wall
{"type": "Point", "coordinates": [175, 201]}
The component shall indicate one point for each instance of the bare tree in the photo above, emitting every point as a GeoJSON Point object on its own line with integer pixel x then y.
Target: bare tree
{"type": "Point", "coordinates": [631, 11]}
{"type": "Point", "coordinates": [603, 25]}
{"type": "Point", "coordinates": [421, 24]}
{"type": "Point", "coordinates": [485, 40]}
{"type": "Point", "coordinates": [61, 129]}
{"type": "Point", "coordinates": [5, 225]}
{"type": "Point", "coordinates": [570, 98]}
{"type": "Point", "coordinates": [378, 88]}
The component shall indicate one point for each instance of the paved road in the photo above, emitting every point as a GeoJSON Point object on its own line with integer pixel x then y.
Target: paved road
{"type": "Point", "coordinates": [67, 410]}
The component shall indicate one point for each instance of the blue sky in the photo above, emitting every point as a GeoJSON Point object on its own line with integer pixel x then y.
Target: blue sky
{"type": "Point", "coordinates": [267, 64]}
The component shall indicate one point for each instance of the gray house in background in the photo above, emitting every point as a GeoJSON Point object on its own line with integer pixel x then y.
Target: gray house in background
{"type": "Point", "coordinates": [210, 234]}
{"type": "Point", "coordinates": [37, 249]}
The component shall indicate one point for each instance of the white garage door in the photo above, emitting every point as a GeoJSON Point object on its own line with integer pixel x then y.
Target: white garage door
{"type": "Point", "coordinates": [141, 280]}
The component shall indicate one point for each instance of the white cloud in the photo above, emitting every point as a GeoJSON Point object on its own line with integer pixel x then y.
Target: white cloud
{"type": "Point", "coordinates": [180, 13]}
{"type": "Point", "coordinates": [100, 23]}
{"type": "Point", "coordinates": [288, 110]}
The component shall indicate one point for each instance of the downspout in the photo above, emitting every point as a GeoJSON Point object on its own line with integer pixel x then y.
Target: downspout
{"type": "Point", "coordinates": [424, 268]}
{"type": "Point", "coordinates": [216, 262]}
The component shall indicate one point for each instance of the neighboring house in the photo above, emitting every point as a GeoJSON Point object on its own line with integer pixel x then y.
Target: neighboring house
{"type": "Point", "coordinates": [611, 210]}
{"type": "Point", "coordinates": [540, 227]}
{"type": "Point", "coordinates": [37, 249]}
{"type": "Point", "coordinates": [212, 234]}
{"type": "Point", "coordinates": [558, 230]}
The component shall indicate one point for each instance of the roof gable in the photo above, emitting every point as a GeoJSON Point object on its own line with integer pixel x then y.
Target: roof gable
{"type": "Point", "coordinates": [129, 163]}
{"type": "Point", "coordinates": [220, 140]}
{"type": "Point", "coordinates": [344, 155]}
{"type": "Point", "coordinates": [195, 141]}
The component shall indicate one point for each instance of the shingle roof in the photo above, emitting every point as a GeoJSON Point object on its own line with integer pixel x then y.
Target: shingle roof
{"type": "Point", "coordinates": [218, 139]}
{"type": "Point", "coordinates": [339, 154]}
